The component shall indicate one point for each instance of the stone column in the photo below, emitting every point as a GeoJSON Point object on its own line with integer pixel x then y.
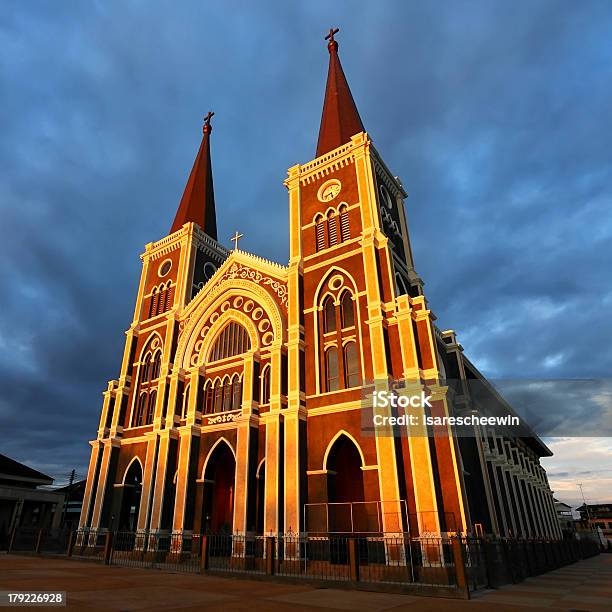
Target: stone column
{"type": "Point", "coordinates": [110, 445]}
{"type": "Point", "coordinates": [271, 420]}
{"type": "Point", "coordinates": [161, 476]}
{"type": "Point", "coordinates": [97, 448]}
{"type": "Point", "coordinates": [186, 476]}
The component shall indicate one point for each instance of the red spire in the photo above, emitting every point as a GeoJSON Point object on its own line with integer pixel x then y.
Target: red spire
{"type": "Point", "coordinates": [198, 201]}
{"type": "Point", "coordinates": [340, 119]}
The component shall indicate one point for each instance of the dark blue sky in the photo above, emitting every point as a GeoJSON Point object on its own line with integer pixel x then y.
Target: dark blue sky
{"type": "Point", "coordinates": [497, 116]}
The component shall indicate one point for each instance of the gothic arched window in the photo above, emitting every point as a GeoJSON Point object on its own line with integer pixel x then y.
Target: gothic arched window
{"type": "Point", "coordinates": [209, 397]}
{"type": "Point", "coordinates": [345, 232]}
{"type": "Point", "coordinates": [151, 407]}
{"type": "Point", "coordinates": [332, 229]}
{"type": "Point", "coordinates": [155, 365]}
{"type": "Point", "coordinates": [168, 297]}
{"type": "Point", "coordinates": [153, 303]}
{"type": "Point", "coordinates": [265, 385]}
{"type": "Point", "coordinates": [218, 399]}
{"type": "Point", "coordinates": [348, 311]}
{"type": "Point", "coordinates": [332, 375]}
{"type": "Point", "coordinates": [146, 368]}
{"type": "Point", "coordinates": [320, 232]}
{"type": "Point", "coordinates": [351, 365]}
{"type": "Point", "coordinates": [138, 416]}
{"type": "Point", "coordinates": [329, 316]}
{"type": "Point", "coordinates": [227, 395]}
{"type": "Point", "coordinates": [233, 340]}
{"type": "Point", "coordinates": [236, 393]}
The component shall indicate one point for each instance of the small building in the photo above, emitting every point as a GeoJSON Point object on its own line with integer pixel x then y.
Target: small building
{"type": "Point", "coordinates": [596, 516]}
{"type": "Point", "coordinates": [23, 503]}
{"type": "Point", "coordinates": [565, 517]}
{"type": "Point", "coordinates": [73, 502]}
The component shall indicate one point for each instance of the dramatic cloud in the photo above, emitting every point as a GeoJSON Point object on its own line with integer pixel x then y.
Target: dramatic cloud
{"type": "Point", "coordinates": [496, 116]}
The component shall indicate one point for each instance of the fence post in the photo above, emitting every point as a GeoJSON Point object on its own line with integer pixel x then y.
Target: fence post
{"type": "Point", "coordinates": [70, 544]}
{"type": "Point", "coordinates": [353, 559]}
{"type": "Point", "coordinates": [270, 555]}
{"type": "Point", "coordinates": [489, 558]}
{"type": "Point", "coordinates": [204, 554]}
{"type": "Point", "coordinates": [108, 547]}
{"type": "Point", "coordinates": [460, 573]}
{"type": "Point", "coordinates": [39, 541]}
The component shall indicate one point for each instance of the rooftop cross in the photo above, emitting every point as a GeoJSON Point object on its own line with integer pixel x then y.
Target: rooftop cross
{"type": "Point", "coordinates": [207, 126]}
{"type": "Point", "coordinates": [235, 238]}
{"type": "Point", "coordinates": [332, 32]}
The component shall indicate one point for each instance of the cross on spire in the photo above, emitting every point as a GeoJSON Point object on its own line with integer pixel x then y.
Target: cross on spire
{"type": "Point", "coordinates": [207, 127]}
{"type": "Point", "coordinates": [332, 33]}
{"type": "Point", "coordinates": [340, 119]}
{"type": "Point", "coordinates": [235, 238]}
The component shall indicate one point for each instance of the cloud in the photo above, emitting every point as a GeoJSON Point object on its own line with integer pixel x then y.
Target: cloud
{"type": "Point", "coordinates": [494, 116]}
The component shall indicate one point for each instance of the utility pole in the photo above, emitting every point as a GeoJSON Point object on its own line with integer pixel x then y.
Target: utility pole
{"type": "Point", "coordinates": [586, 506]}
{"type": "Point", "coordinates": [70, 483]}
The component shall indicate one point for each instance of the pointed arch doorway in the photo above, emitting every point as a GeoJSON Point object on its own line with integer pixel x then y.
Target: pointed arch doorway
{"type": "Point", "coordinates": [130, 501]}
{"type": "Point", "coordinates": [219, 480]}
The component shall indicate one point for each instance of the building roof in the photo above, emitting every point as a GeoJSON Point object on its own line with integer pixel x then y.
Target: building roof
{"type": "Point", "coordinates": [340, 119]}
{"type": "Point", "coordinates": [198, 202]}
{"type": "Point", "coordinates": [14, 470]}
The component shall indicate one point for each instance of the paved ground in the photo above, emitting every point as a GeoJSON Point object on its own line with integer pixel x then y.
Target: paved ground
{"type": "Point", "coordinates": [586, 585]}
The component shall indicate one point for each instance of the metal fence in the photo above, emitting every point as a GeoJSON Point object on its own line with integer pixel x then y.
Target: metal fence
{"type": "Point", "coordinates": [455, 564]}
{"type": "Point", "coordinates": [172, 551]}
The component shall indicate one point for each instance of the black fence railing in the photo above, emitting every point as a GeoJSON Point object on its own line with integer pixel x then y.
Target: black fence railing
{"type": "Point", "coordinates": [455, 564]}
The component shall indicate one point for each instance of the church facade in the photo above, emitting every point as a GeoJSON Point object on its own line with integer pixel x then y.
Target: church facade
{"type": "Point", "coordinates": [244, 400]}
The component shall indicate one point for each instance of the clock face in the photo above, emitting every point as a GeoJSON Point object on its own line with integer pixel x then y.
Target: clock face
{"type": "Point", "coordinates": [329, 193]}
{"type": "Point", "coordinates": [329, 190]}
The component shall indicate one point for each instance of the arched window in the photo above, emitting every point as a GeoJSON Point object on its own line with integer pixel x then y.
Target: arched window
{"type": "Point", "coordinates": [233, 340]}
{"type": "Point", "coordinates": [265, 385]}
{"type": "Point", "coordinates": [155, 365]}
{"type": "Point", "coordinates": [332, 229]}
{"type": "Point", "coordinates": [151, 407]}
{"type": "Point", "coordinates": [345, 232]}
{"type": "Point", "coordinates": [320, 232]}
{"type": "Point", "coordinates": [329, 315]}
{"type": "Point", "coordinates": [138, 416]}
{"type": "Point", "coordinates": [146, 368]}
{"type": "Point", "coordinates": [348, 311]}
{"type": "Point", "coordinates": [209, 397]}
{"type": "Point", "coordinates": [351, 365]}
{"type": "Point", "coordinates": [168, 300]}
{"type": "Point", "coordinates": [153, 303]}
{"type": "Point", "coordinates": [236, 393]}
{"type": "Point", "coordinates": [218, 399]}
{"type": "Point", "coordinates": [332, 375]}
{"type": "Point", "coordinates": [227, 395]}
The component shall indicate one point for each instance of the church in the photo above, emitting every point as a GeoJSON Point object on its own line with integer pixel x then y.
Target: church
{"type": "Point", "coordinates": [244, 400]}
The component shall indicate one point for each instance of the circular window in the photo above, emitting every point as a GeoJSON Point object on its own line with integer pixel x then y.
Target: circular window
{"type": "Point", "coordinates": [329, 190]}
{"type": "Point", "coordinates": [335, 282]}
{"type": "Point", "coordinates": [209, 269]}
{"type": "Point", "coordinates": [164, 267]}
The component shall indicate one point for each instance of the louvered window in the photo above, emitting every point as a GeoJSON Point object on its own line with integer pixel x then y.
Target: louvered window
{"type": "Point", "coordinates": [233, 340]}
{"type": "Point", "coordinates": [320, 234]}
{"type": "Point", "coordinates": [345, 232]}
{"type": "Point", "coordinates": [333, 230]}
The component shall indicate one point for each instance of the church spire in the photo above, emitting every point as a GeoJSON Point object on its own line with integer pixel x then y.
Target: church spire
{"type": "Point", "coordinates": [198, 201]}
{"type": "Point", "coordinates": [340, 119]}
